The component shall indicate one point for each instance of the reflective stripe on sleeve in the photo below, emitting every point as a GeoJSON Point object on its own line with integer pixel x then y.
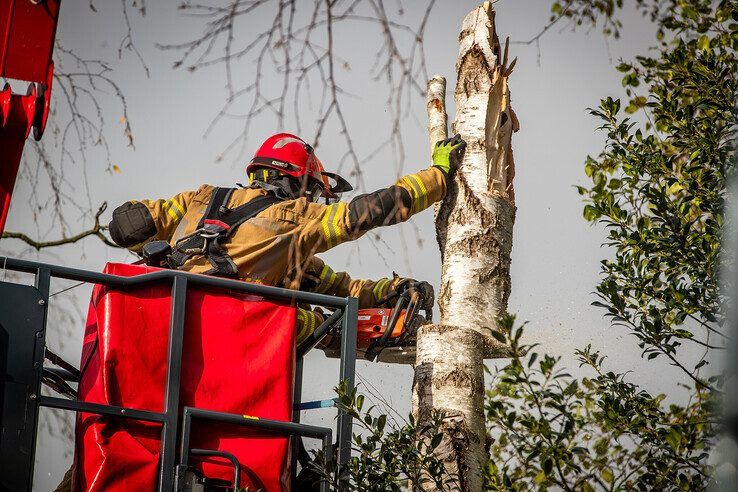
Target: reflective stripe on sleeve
{"type": "Point", "coordinates": [174, 209]}
{"type": "Point", "coordinates": [418, 192]}
{"type": "Point", "coordinates": [180, 210]}
{"type": "Point", "coordinates": [301, 335]}
{"type": "Point", "coordinates": [423, 190]}
{"type": "Point", "coordinates": [327, 277]}
{"type": "Point", "coordinates": [308, 320]}
{"type": "Point", "coordinates": [379, 288]}
{"type": "Point", "coordinates": [331, 231]}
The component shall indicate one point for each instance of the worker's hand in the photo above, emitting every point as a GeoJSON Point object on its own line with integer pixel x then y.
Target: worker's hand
{"type": "Point", "coordinates": [427, 295]}
{"type": "Point", "coordinates": [448, 153]}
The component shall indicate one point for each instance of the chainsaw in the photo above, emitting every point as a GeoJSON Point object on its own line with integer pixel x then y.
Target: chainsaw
{"type": "Point", "coordinates": [386, 334]}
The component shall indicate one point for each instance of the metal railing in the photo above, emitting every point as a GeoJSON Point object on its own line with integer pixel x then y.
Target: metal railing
{"type": "Point", "coordinates": [21, 410]}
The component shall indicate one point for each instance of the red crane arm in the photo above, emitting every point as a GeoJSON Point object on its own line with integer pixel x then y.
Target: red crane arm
{"type": "Point", "coordinates": [27, 32]}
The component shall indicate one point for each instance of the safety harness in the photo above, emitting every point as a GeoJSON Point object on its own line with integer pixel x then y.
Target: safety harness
{"type": "Point", "coordinates": [215, 227]}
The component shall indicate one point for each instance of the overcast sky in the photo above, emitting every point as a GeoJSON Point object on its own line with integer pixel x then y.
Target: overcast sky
{"type": "Point", "coordinates": [555, 254]}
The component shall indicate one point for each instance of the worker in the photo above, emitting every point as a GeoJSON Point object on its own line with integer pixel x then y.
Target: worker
{"type": "Point", "coordinates": [270, 231]}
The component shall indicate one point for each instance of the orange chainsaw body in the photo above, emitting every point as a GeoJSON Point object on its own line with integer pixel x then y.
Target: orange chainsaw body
{"type": "Point", "coordinates": [373, 323]}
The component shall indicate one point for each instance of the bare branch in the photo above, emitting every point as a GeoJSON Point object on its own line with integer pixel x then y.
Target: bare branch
{"type": "Point", "coordinates": [302, 53]}
{"type": "Point", "coordinates": [96, 230]}
{"type": "Point", "coordinates": [127, 42]}
{"type": "Point", "coordinates": [77, 127]}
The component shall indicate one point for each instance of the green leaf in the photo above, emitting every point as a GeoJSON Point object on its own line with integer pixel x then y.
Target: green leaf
{"type": "Point", "coordinates": [589, 169]}
{"type": "Point", "coordinates": [703, 43]}
{"type": "Point", "coordinates": [436, 441]}
{"type": "Point", "coordinates": [547, 466]}
{"type": "Point", "coordinates": [540, 478]}
{"type": "Point", "coordinates": [673, 438]}
{"type": "Point", "coordinates": [499, 336]}
{"type": "Point", "coordinates": [381, 421]}
{"type": "Point", "coordinates": [590, 213]}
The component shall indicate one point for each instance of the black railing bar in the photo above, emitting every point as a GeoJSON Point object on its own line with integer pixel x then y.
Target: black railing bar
{"type": "Point", "coordinates": [297, 396]}
{"type": "Point", "coordinates": [112, 410]}
{"type": "Point", "coordinates": [267, 291]}
{"type": "Point", "coordinates": [121, 282]}
{"type": "Point", "coordinates": [223, 454]}
{"type": "Point", "coordinates": [56, 360]}
{"type": "Point", "coordinates": [347, 373]}
{"type": "Point", "coordinates": [173, 382]}
{"type": "Point", "coordinates": [61, 372]}
{"type": "Point", "coordinates": [290, 428]}
{"type": "Point", "coordinates": [42, 282]}
{"type": "Point", "coordinates": [279, 426]}
{"type": "Point", "coordinates": [317, 335]}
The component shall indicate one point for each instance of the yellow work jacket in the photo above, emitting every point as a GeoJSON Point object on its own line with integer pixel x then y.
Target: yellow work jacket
{"type": "Point", "coordinates": [277, 246]}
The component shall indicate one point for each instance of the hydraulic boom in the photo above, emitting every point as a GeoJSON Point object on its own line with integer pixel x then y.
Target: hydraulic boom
{"type": "Point", "coordinates": [27, 32]}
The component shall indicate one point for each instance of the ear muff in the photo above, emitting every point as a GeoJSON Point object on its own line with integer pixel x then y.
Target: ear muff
{"type": "Point", "coordinates": [260, 174]}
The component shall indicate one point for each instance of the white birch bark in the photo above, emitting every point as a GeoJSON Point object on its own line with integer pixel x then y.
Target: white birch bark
{"type": "Point", "coordinates": [474, 229]}
{"type": "Point", "coordinates": [436, 105]}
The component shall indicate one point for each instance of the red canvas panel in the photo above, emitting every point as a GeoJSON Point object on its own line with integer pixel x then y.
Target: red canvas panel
{"type": "Point", "coordinates": [238, 357]}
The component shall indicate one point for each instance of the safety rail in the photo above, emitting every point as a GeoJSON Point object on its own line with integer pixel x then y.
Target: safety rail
{"type": "Point", "coordinates": [22, 364]}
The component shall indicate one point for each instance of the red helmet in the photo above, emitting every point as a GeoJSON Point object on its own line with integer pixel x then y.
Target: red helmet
{"type": "Point", "coordinates": [289, 154]}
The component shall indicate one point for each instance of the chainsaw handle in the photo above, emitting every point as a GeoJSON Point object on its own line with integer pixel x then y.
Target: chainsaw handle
{"type": "Point", "coordinates": [377, 346]}
{"type": "Point", "coordinates": [412, 308]}
{"type": "Point", "coordinates": [392, 295]}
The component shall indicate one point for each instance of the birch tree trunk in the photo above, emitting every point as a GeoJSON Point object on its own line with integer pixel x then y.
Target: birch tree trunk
{"type": "Point", "coordinates": [474, 229]}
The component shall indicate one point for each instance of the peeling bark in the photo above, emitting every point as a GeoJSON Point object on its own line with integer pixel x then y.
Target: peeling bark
{"type": "Point", "coordinates": [474, 226]}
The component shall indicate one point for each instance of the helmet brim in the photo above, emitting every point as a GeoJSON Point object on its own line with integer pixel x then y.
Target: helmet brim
{"type": "Point", "coordinates": [338, 186]}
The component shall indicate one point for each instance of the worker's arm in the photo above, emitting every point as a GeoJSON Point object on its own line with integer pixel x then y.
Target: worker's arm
{"type": "Point", "coordinates": [327, 226]}
{"type": "Point", "coordinates": [330, 225]}
{"type": "Point", "coordinates": [320, 278]}
{"type": "Point", "coordinates": [135, 223]}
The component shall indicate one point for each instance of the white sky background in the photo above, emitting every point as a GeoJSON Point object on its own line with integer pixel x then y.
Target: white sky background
{"type": "Point", "coordinates": [556, 253]}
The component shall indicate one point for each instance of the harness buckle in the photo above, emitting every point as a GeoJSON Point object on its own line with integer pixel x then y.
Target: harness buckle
{"type": "Point", "coordinates": [179, 245]}
{"type": "Point", "coordinates": [212, 229]}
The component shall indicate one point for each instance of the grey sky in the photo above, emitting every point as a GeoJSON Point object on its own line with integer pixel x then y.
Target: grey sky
{"type": "Point", "coordinates": [555, 255]}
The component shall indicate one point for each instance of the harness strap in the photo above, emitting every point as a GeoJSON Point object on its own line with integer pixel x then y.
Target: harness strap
{"type": "Point", "coordinates": [215, 227]}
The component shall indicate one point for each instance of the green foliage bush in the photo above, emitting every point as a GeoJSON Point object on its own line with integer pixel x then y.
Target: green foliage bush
{"type": "Point", "coordinates": [598, 432]}
{"type": "Point", "coordinates": [392, 457]}
{"type": "Point", "coordinates": [659, 187]}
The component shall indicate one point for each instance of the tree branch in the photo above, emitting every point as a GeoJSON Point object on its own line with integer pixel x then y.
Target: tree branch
{"type": "Point", "coordinates": [299, 52]}
{"type": "Point", "coordinates": [96, 230]}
